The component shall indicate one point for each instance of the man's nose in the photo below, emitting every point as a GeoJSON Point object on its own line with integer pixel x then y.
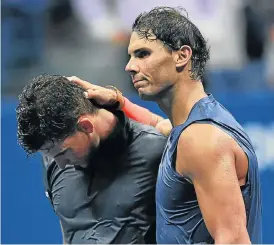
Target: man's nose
{"type": "Point", "coordinates": [132, 68]}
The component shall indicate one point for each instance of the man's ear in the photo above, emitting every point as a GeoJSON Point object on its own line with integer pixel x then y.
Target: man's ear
{"type": "Point", "coordinates": [182, 57]}
{"type": "Point", "coordinates": [85, 125]}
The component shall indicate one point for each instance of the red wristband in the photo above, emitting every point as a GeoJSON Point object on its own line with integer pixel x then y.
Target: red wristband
{"type": "Point", "coordinates": [139, 113]}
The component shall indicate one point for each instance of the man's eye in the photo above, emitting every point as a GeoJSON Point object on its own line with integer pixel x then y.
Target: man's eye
{"type": "Point", "coordinates": [143, 54]}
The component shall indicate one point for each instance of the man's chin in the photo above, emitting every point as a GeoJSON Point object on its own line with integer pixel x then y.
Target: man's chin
{"type": "Point", "coordinates": [147, 96]}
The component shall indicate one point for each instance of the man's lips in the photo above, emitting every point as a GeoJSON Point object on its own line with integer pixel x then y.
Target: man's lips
{"type": "Point", "coordinates": [137, 80]}
{"type": "Point", "coordinates": [139, 83]}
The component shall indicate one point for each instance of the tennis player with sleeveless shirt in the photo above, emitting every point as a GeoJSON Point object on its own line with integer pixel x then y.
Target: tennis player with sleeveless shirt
{"type": "Point", "coordinates": [208, 187]}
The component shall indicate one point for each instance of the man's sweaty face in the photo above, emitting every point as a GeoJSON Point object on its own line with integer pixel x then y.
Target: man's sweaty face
{"type": "Point", "coordinates": [151, 66]}
{"type": "Point", "coordinates": [71, 151]}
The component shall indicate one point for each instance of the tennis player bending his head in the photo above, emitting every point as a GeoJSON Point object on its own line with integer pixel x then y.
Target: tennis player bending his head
{"type": "Point", "coordinates": [100, 166]}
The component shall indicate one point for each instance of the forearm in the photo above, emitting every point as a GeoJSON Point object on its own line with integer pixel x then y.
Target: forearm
{"type": "Point", "coordinates": [140, 114]}
{"type": "Point", "coordinates": [111, 96]}
{"type": "Point", "coordinates": [235, 235]}
{"type": "Point", "coordinates": [232, 239]}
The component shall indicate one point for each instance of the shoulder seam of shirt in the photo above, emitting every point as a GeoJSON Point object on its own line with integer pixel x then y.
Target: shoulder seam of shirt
{"type": "Point", "coordinates": [149, 132]}
{"type": "Point", "coordinates": [142, 132]}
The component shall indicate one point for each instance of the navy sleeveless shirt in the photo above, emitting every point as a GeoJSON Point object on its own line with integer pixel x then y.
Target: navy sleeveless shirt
{"type": "Point", "coordinates": [179, 218]}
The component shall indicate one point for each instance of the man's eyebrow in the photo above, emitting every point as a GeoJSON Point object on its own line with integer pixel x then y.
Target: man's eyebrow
{"type": "Point", "coordinates": [61, 153]}
{"type": "Point", "coordinates": [136, 51]}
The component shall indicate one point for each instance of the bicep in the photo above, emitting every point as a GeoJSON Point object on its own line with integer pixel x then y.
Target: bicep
{"type": "Point", "coordinates": [219, 196]}
{"type": "Point", "coordinates": [206, 156]}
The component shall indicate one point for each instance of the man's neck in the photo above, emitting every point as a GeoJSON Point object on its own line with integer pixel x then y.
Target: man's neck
{"type": "Point", "coordinates": [113, 133]}
{"type": "Point", "coordinates": [105, 123]}
{"type": "Point", "coordinates": [179, 100]}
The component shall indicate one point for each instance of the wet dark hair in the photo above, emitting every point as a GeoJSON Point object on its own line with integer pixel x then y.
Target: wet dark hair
{"type": "Point", "coordinates": [49, 109]}
{"type": "Point", "coordinates": [174, 29]}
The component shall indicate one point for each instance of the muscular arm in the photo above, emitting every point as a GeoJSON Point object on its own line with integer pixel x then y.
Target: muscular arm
{"type": "Point", "coordinates": [143, 115]}
{"type": "Point", "coordinates": [206, 155]}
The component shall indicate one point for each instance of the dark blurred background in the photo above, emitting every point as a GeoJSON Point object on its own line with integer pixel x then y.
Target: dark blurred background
{"type": "Point", "coordinates": [89, 38]}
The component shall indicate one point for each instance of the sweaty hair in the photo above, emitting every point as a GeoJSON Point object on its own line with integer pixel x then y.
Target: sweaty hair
{"type": "Point", "coordinates": [49, 109]}
{"type": "Point", "coordinates": [173, 28]}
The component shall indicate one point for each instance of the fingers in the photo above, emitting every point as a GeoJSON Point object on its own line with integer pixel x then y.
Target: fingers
{"type": "Point", "coordinates": [85, 84]}
{"type": "Point", "coordinates": [82, 83]}
{"type": "Point", "coordinates": [75, 79]}
{"type": "Point", "coordinates": [92, 94]}
{"type": "Point", "coordinates": [101, 95]}
{"type": "Point", "coordinates": [95, 95]}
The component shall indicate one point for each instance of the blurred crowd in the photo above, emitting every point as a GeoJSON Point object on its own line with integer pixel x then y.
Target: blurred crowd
{"type": "Point", "coordinates": [89, 38]}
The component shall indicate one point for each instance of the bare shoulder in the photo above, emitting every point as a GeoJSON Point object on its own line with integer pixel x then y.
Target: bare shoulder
{"type": "Point", "coordinates": [204, 137]}
{"type": "Point", "coordinates": [201, 147]}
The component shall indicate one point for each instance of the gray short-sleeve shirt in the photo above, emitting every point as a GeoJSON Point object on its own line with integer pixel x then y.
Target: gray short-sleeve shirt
{"type": "Point", "coordinates": [114, 203]}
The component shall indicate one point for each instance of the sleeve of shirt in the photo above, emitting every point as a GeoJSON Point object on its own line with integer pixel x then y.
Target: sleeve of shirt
{"type": "Point", "coordinates": [67, 188]}
{"type": "Point", "coordinates": [68, 191]}
{"type": "Point", "coordinates": [47, 166]}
